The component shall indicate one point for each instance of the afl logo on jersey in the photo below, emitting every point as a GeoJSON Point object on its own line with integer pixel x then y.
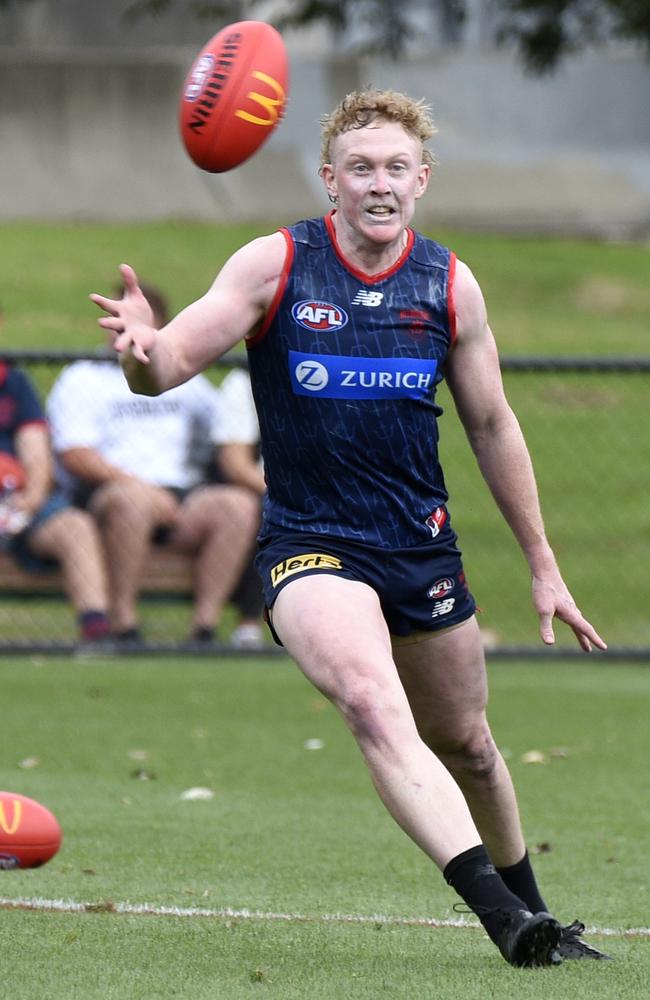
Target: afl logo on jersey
{"type": "Point", "coordinates": [321, 316]}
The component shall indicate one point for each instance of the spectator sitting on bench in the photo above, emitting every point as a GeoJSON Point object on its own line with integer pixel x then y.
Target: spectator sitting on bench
{"type": "Point", "coordinates": [137, 463]}
{"type": "Point", "coordinates": [38, 526]}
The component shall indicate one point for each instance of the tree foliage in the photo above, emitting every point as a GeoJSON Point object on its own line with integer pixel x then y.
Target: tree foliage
{"type": "Point", "coordinates": [544, 32]}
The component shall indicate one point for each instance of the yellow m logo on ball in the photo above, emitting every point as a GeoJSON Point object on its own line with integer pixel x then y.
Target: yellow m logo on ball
{"type": "Point", "coordinates": [271, 105]}
{"type": "Point", "coordinates": [10, 828]}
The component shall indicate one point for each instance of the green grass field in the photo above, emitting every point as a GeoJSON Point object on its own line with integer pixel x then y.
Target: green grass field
{"type": "Point", "coordinates": [324, 891]}
{"type": "Point", "coordinates": [545, 296]}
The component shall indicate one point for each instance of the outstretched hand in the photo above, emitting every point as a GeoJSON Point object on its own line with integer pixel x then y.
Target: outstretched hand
{"type": "Point", "coordinates": [552, 599]}
{"type": "Point", "coordinates": [129, 320]}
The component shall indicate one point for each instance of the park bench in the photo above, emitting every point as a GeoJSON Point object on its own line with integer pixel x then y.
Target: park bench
{"type": "Point", "coordinates": [166, 579]}
{"type": "Point", "coordinates": [166, 574]}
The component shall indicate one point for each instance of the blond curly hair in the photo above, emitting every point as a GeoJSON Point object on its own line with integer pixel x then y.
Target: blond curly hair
{"type": "Point", "coordinates": [361, 107]}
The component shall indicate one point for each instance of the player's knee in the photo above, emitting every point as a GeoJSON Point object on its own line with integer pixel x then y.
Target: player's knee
{"type": "Point", "coordinates": [368, 712]}
{"type": "Point", "coordinates": [474, 755]}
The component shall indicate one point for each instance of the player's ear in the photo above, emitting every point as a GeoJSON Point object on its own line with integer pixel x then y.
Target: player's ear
{"type": "Point", "coordinates": [424, 175]}
{"type": "Point", "coordinates": [329, 180]}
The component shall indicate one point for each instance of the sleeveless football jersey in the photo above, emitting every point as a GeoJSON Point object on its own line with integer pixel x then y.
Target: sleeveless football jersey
{"type": "Point", "coordinates": [344, 374]}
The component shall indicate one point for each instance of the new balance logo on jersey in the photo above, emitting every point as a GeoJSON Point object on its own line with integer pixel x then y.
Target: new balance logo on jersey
{"type": "Point", "coordinates": [366, 298]}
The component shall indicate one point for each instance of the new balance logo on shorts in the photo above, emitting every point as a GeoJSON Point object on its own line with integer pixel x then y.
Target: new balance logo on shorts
{"type": "Point", "coordinates": [443, 607]}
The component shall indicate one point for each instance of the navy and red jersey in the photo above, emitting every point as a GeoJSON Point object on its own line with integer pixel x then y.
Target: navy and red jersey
{"type": "Point", "coordinates": [344, 375]}
{"type": "Point", "coordinates": [19, 405]}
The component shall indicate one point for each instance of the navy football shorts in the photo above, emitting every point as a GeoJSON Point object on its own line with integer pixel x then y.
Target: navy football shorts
{"type": "Point", "coordinates": [421, 588]}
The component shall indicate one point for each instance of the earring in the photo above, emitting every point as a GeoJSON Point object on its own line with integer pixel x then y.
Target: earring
{"type": "Point", "coordinates": [334, 198]}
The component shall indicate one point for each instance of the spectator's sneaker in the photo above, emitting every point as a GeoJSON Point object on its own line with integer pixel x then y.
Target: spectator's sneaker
{"type": "Point", "coordinates": [572, 946]}
{"type": "Point", "coordinates": [202, 636]}
{"type": "Point", "coordinates": [94, 626]}
{"type": "Point", "coordinates": [128, 638]}
{"type": "Point", "coordinates": [530, 940]}
{"type": "Point", "coordinates": [247, 637]}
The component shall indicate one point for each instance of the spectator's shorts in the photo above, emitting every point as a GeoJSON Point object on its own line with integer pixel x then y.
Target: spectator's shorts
{"type": "Point", "coordinates": [19, 546]}
{"type": "Point", "coordinates": [84, 492]}
{"type": "Point", "coordinates": [421, 588]}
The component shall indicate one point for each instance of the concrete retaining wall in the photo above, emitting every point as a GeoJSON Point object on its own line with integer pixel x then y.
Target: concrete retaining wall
{"type": "Point", "coordinates": [90, 133]}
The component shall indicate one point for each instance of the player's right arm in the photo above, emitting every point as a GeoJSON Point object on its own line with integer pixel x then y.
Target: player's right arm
{"type": "Point", "coordinates": [231, 310]}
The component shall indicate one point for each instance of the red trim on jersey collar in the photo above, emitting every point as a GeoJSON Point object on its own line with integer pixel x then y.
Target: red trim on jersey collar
{"type": "Point", "coordinates": [368, 279]}
{"type": "Point", "coordinates": [279, 292]}
{"type": "Point", "coordinates": [4, 371]}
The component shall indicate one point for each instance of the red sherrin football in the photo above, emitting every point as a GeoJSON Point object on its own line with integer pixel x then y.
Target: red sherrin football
{"type": "Point", "coordinates": [29, 834]}
{"type": "Point", "coordinates": [234, 95]}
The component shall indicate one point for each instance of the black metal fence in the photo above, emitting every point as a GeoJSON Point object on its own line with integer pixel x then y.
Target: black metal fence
{"type": "Point", "coordinates": [586, 423]}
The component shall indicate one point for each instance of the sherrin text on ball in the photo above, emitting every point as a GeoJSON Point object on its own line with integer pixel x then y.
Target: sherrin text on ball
{"type": "Point", "coordinates": [234, 95]}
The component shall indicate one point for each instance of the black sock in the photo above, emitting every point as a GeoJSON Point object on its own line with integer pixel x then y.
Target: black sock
{"type": "Point", "coordinates": [202, 633]}
{"type": "Point", "coordinates": [131, 634]}
{"type": "Point", "coordinates": [477, 881]}
{"type": "Point", "coordinates": [520, 879]}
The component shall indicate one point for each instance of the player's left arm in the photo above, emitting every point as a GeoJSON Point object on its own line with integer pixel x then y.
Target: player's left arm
{"type": "Point", "coordinates": [474, 378]}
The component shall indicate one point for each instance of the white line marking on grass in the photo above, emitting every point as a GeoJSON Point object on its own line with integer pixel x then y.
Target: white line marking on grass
{"type": "Point", "coordinates": [227, 913]}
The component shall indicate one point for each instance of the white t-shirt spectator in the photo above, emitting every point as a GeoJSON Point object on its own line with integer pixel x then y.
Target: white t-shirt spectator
{"type": "Point", "coordinates": [236, 420]}
{"type": "Point", "coordinates": [161, 439]}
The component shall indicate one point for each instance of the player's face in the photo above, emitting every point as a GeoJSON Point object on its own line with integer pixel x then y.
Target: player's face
{"type": "Point", "coordinates": [376, 176]}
